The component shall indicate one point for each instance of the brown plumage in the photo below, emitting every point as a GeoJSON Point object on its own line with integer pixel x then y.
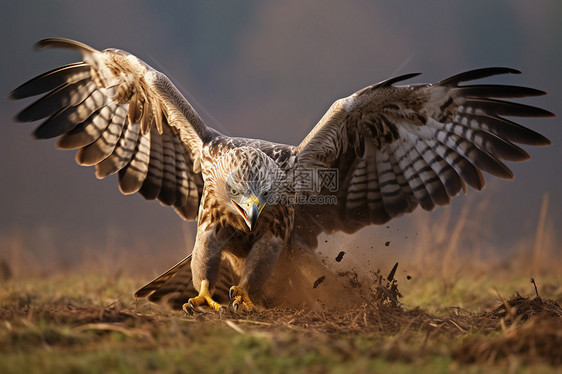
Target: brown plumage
{"type": "Point", "coordinates": [379, 153]}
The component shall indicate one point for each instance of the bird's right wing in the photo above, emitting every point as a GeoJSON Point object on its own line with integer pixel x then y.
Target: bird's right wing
{"type": "Point", "coordinates": [123, 117]}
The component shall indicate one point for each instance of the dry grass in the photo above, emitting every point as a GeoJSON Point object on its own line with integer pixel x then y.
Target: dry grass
{"type": "Point", "coordinates": [59, 323]}
{"type": "Point", "coordinates": [451, 314]}
{"type": "Point", "coordinates": [531, 332]}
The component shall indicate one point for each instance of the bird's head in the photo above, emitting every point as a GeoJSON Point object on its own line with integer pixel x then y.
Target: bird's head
{"type": "Point", "coordinates": [250, 179]}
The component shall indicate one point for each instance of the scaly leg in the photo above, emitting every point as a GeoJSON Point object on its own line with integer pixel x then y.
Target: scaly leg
{"type": "Point", "coordinates": [204, 297]}
{"type": "Point", "coordinates": [205, 265]}
{"type": "Point", "coordinates": [257, 269]}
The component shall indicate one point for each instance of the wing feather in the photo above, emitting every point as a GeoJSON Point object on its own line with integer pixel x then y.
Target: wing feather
{"type": "Point", "coordinates": [89, 131]}
{"type": "Point", "coordinates": [397, 147]}
{"type": "Point", "coordinates": [153, 182]}
{"type": "Point", "coordinates": [494, 90]}
{"type": "Point", "coordinates": [132, 176]}
{"type": "Point", "coordinates": [182, 178]}
{"type": "Point", "coordinates": [504, 108]}
{"type": "Point", "coordinates": [101, 148]}
{"type": "Point", "coordinates": [434, 191]}
{"type": "Point", "coordinates": [450, 180]}
{"type": "Point", "coordinates": [375, 205]}
{"type": "Point", "coordinates": [167, 194]}
{"type": "Point", "coordinates": [122, 153]}
{"type": "Point", "coordinates": [69, 94]}
{"type": "Point", "coordinates": [66, 118]}
{"type": "Point", "coordinates": [395, 190]}
{"type": "Point", "coordinates": [53, 79]}
{"type": "Point", "coordinates": [477, 157]}
{"type": "Point", "coordinates": [406, 164]}
{"type": "Point", "coordinates": [501, 127]}
{"type": "Point", "coordinates": [123, 117]}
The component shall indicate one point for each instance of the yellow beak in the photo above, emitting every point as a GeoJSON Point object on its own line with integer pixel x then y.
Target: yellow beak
{"type": "Point", "coordinates": [250, 210]}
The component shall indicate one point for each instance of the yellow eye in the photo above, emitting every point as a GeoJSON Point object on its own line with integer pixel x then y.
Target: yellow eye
{"type": "Point", "coordinates": [233, 192]}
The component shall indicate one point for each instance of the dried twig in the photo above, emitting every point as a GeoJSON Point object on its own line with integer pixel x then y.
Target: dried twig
{"type": "Point", "coordinates": [234, 326]}
{"type": "Point", "coordinates": [536, 289]}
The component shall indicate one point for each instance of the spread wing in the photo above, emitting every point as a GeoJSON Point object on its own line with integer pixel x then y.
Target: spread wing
{"type": "Point", "coordinates": [123, 117]}
{"type": "Point", "coordinates": [396, 147]}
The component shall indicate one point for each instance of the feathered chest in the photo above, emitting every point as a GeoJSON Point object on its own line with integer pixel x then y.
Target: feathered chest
{"type": "Point", "coordinates": [275, 221]}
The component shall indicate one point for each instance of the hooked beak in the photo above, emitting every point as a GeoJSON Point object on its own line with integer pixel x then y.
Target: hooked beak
{"type": "Point", "coordinates": [250, 210]}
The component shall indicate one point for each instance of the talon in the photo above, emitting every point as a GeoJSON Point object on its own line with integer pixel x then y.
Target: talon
{"type": "Point", "coordinates": [236, 300]}
{"type": "Point", "coordinates": [204, 297]}
{"type": "Point", "coordinates": [239, 295]}
{"type": "Point", "coordinates": [187, 308]}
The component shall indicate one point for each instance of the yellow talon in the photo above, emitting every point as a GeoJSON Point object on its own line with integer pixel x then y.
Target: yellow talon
{"type": "Point", "coordinates": [239, 295]}
{"type": "Point", "coordinates": [203, 298]}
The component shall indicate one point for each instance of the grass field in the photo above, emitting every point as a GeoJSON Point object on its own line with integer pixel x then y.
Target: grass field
{"type": "Point", "coordinates": [456, 314]}
{"type": "Point", "coordinates": [91, 323]}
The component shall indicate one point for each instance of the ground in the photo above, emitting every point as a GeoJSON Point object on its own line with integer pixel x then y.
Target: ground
{"type": "Point", "coordinates": [91, 323]}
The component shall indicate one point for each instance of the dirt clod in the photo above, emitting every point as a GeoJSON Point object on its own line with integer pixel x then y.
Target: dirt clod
{"type": "Point", "coordinates": [318, 281]}
{"type": "Point", "coordinates": [340, 256]}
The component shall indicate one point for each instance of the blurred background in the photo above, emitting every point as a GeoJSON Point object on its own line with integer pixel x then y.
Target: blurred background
{"type": "Point", "coordinates": [270, 69]}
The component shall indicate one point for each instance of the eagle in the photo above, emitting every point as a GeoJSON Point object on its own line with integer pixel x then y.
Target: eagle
{"type": "Point", "coordinates": [374, 155]}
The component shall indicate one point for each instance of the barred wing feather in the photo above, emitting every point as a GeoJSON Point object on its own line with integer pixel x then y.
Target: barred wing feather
{"type": "Point", "coordinates": [124, 118]}
{"type": "Point", "coordinates": [397, 147]}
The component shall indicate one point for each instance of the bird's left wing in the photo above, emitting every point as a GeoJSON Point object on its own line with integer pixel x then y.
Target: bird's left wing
{"type": "Point", "coordinates": [393, 148]}
{"type": "Point", "coordinates": [123, 117]}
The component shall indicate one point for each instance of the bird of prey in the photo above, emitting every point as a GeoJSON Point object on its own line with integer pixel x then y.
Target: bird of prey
{"type": "Point", "coordinates": [374, 155]}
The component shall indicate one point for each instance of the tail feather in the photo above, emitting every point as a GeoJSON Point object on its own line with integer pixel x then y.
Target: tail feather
{"type": "Point", "coordinates": [170, 285]}
{"type": "Point", "coordinates": [175, 286]}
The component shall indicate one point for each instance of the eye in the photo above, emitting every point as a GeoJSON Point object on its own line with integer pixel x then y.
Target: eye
{"type": "Point", "coordinates": [233, 192]}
